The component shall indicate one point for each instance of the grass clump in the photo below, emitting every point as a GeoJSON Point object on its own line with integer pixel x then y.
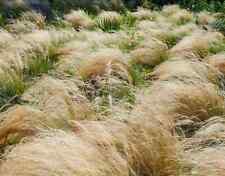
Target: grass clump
{"type": "Point", "coordinates": [21, 27]}
{"type": "Point", "coordinates": [79, 19]}
{"type": "Point", "coordinates": [182, 17]}
{"type": "Point", "coordinates": [128, 20]}
{"type": "Point", "coordinates": [169, 38]}
{"type": "Point", "coordinates": [109, 21]}
{"type": "Point", "coordinates": [205, 18]}
{"type": "Point", "coordinates": [39, 64]}
{"type": "Point", "coordinates": [215, 48]}
{"type": "Point", "coordinates": [41, 61]}
{"type": "Point", "coordinates": [12, 84]}
{"type": "Point", "coordinates": [34, 17]}
{"type": "Point", "coordinates": [170, 10]}
{"type": "Point", "coordinates": [131, 41]}
{"type": "Point", "coordinates": [151, 54]}
{"type": "Point", "coordinates": [139, 73]}
{"type": "Point", "coordinates": [144, 14]}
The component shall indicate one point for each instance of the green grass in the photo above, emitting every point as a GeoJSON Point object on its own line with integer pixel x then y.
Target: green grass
{"type": "Point", "coordinates": [217, 47]}
{"type": "Point", "coordinates": [139, 73]}
{"type": "Point", "coordinates": [219, 24]}
{"type": "Point", "coordinates": [124, 92]}
{"type": "Point", "coordinates": [131, 42]}
{"type": "Point", "coordinates": [128, 20]}
{"type": "Point", "coordinates": [41, 62]}
{"type": "Point", "coordinates": [15, 81]}
{"type": "Point", "coordinates": [171, 39]}
{"type": "Point", "coordinates": [11, 84]}
{"type": "Point", "coordinates": [38, 65]}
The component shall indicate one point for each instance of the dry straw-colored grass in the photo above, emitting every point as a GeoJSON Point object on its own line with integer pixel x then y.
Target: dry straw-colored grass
{"type": "Point", "coordinates": [61, 100]}
{"type": "Point", "coordinates": [100, 63]}
{"type": "Point", "coordinates": [21, 121]}
{"type": "Point", "coordinates": [39, 43]}
{"type": "Point", "coordinates": [181, 17]}
{"type": "Point", "coordinates": [34, 17]}
{"type": "Point", "coordinates": [151, 53]}
{"type": "Point", "coordinates": [175, 99]}
{"type": "Point", "coordinates": [140, 143]}
{"type": "Point", "coordinates": [153, 28]}
{"type": "Point", "coordinates": [144, 14]}
{"type": "Point", "coordinates": [185, 69]}
{"type": "Point", "coordinates": [170, 10]}
{"type": "Point", "coordinates": [140, 146]}
{"type": "Point", "coordinates": [186, 29]}
{"type": "Point", "coordinates": [204, 155]}
{"type": "Point", "coordinates": [196, 45]}
{"type": "Point", "coordinates": [21, 27]}
{"type": "Point", "coordinates": [51, 103]}
{"type": "Point", "coordinates": [5, 39]}
{"type": "Point", "coordinates": [217, 61]}
{"type": "Point", "coordinates": [80, 19]}
{"type": "Point", "coordinates": [205, 18]}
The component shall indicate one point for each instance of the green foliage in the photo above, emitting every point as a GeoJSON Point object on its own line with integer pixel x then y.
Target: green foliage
{"type": "Point", "coordinates": [195, 5]}
{"type": "Point", "coordinates": [200, 5]}
{"type": "Point", "coordinates": [170, 38]}
{"type": "Point", "coordinates": [11, 85]}
{"type": "Point", "coordinates": [39, 64]}
{"type": "Point", "coordinates": [217, 47]}
{"type": "Point", "coordinates": [58, 22]}
{"type": "Point", "coordinates": [128, 20]}
{"type": "Point", "coordinates": [42, 62]}
{"type": "Point", "coordinates": [2, 20]}
{"type": "Point", "coordinates": [219, 24]}
{"type": "Point", "coordinates": [120, 92]}
{"type": "Point", "coordinates": [93, 6]}
{"type": "Point", "coordinates": [125, 93]}
{"type": "Point", "coordinates": [139, 73]}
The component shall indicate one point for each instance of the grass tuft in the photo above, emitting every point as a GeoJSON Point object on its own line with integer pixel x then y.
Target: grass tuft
{"type": "Point", "coordinates": [79, 19]}
{"type": "Point", "coordinates": [11, 84]}
{"type": "Point", "coordinates": [109, 21]}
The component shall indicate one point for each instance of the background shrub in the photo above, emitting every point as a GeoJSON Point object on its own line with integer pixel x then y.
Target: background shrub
{"type": "Point", "coordinates": [49, 7]}
{"type": "Point", "coordinates": [219, 24]}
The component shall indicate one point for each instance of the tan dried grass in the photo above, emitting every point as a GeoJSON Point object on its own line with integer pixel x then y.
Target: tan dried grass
{"type": "Point", "coordinates": [108, 148]}
{"type": "Point", "coordinates": [80, 19]}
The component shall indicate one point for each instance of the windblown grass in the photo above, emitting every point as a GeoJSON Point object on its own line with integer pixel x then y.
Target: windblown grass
{"type": "Point", "coordinates": [11, 85]}
{"type": "Point", "coordinates": [80, 19]}
{"type": "Point", "coordinates": [144, 14]}
{"type": "Point", "coordinates": [149, 149]}
{"type": "Point", "coordinates": [137, 75]}
{"type": "Point", "coordinates": [152, 53]}
{"type": "Point", "coordinates": [205, 18]}
{"type": "Point", "coordinates": [34, 17]}
{"type": "Point", "coordinates": [109, 21]}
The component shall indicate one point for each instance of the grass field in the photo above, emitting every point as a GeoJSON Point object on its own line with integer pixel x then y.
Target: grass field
{"type": "Point", "coordinates": [113, 94]}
